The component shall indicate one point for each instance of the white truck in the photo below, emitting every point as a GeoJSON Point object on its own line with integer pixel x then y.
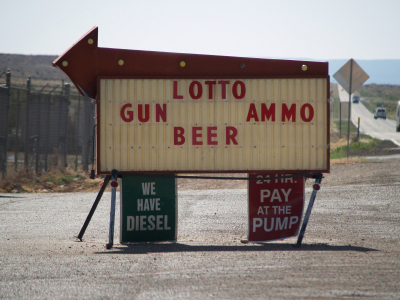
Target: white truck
{"type": "Point", "coordinates": [398, 117]}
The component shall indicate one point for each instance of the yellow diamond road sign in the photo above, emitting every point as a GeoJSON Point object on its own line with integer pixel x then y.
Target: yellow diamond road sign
{"type": "Point", "coordinates": [358, 76]}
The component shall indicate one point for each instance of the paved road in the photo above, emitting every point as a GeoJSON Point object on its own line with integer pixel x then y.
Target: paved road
{"type": "Point", "coordinates": [381, 129]}
{"type": "Point", "coordinates": [351, 250]}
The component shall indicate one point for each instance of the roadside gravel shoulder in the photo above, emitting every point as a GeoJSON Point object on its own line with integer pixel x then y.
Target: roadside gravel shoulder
{"type": "Point", "coordinates": [370, 171]}
{"type": "Point", "coordinates": [373, 171]}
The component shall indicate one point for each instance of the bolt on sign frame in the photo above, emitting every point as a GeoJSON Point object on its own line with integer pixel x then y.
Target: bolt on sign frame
{"type": "Point", "coordinates": [186, 113]}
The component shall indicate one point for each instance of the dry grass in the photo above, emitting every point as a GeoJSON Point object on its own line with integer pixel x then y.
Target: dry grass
{"type": "Point", "coordinates": [339, 143]}
{"type": "Point", "coordinates": [350, 160]}
{"type": "Point", "coordinates": [55, 181]}
{"type": "Point", "coordinates": [343, 142]}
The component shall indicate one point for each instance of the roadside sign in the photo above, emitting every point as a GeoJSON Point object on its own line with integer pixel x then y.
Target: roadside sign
{"type": "Point", "coordinates": [212, 125]}
{"type": "Point", "coordinates": [358, 76]}
{"type": "Point", "coordinates": [148, 209]}
{"type": "Point", "coordinates": [350, 77]}
{"type": "Point", "coordinates": [186, 113]}
{"type": "Point", "coordinates": [175, 113]}
{"type": "Point", "coordinates": [275, 207]}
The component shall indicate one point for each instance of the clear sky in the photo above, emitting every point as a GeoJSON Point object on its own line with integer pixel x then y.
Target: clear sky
{"type": "Point", "coordinates": [289, 29]}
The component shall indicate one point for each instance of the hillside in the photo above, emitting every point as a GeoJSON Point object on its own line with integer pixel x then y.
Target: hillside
{"type": "Point", "coordinates": [381, 91]}
{"type": "Point", "coordinates": [39, 67]}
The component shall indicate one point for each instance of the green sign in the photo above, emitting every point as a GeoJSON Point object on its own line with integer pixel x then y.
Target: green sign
{"type": "Point", "coordinates": [148, 209]}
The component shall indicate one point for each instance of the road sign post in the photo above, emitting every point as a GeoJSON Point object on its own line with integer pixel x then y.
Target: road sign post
{"type": "Point", "coordinates": [350, 76]}
{"type": "Point", "coordinates": [348, 120]}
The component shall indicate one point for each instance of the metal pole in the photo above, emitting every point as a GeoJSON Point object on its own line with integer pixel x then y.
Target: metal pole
{"type": "Point", "coordinates": [340, 119]}
{"type": "Point", "coordinates": [316, 187]}
{"type": "Point", "coordinates": [114, 184]}
{"type": "Point", "coordinates": [38, 136]}
{"type": "Point", "coordinates": [348, 122]}
{"type": "Point", "coordinates": [16, 133]}
{"type": "Point", "coordinates": [8, 78]}
{"type": "Point", "coordinates": [4, 162]}
{"type": "Point", "coordinates": [47, 131]}
{"type": "Point", "coordinates": [67, 95]}
{"type": "Point", "coordinates": [59, 145]}
{"type": "Point", "coordinates": [26, 158]}
{"type": "Point", "coordinates": [77, 133]}
{"type": "Point", "coordinates": [96, 202]}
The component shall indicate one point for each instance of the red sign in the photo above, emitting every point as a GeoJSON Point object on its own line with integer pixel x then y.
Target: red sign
{"type": "Point", "coordinates": [275, 207]}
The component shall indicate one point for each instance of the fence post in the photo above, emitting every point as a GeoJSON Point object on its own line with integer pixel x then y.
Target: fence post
{"type": "Point", "coordinates": [340, 119]}
{"type": "Point", "coordinates": [86, 134]}
{"type": "Point", "coordinates": [16, 133]}
{"type": "Point", "coordinates": [67, 94]}
{"type": "Point", "coordinates": [47, 132]}
{"type": "Point", "coordinates": [28, 91]}
{"type": "Point", "coordinates": [85, 161]}
{"type": "Point", "coordinates": [77, 133]}
{"type": "Point", "coordinates": [8, 84]}
{"type": "Point", "coordinates": [37, 159]}
{"type": "Point", "coordinates": [8, 78]}
{"type": "Point", "coordinates": [3, 160]}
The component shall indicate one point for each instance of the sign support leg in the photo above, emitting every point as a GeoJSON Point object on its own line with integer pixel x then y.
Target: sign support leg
{"type": "Point", "coordinates": [316, 187]}
{"type": "Point", "coordinates": [96, 202]}
{"type": "Point", "coordinates": [114, 184]}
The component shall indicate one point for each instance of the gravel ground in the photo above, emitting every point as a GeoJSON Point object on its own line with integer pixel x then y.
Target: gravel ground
{"type": "Point", "coordinates": [350, 249]}
{"type": "Point", "coordinates": [371, 170]}
{"type": "Point", "coordinates": [383, 170]}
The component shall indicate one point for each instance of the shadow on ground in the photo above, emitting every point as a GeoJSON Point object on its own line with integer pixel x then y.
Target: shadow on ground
{"type": "Point", "coordinates": [177, 247]}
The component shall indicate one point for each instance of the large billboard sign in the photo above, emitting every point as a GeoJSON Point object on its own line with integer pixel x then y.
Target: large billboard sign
{"type": "Point", "coordinates": [204, 125]}
{"type": "Point", "coordinates": [175, 113]}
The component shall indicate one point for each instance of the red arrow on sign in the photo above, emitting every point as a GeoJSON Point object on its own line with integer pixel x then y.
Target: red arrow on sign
{"type": "Point", "coordinates": [84, 61]}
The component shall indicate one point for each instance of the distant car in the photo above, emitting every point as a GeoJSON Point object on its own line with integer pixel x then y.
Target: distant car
{"type": "Point", "coordinates": [380, 113]}
{"type": "Point", "coordinates": [356, 99]}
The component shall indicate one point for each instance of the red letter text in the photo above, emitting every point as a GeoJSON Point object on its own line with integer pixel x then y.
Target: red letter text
{"type": "Point", "coordinates": [179, 139]}
{"type": "Point", "coordinates": [128, 118]}
{"type": "Point", "coordinates": [289, 112]}
{"type": "Point", "coordinates": [310, 112]}
{"type": "Point", "coordinates": [242, 89]}
{"type": "Point", "coordinates": [175, 91]}
{"type": "Point", "coordinates": [231, 133]}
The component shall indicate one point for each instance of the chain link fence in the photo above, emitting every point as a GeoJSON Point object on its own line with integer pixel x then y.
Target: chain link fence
{"type": "Point", "coordinates": [43, 130]}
